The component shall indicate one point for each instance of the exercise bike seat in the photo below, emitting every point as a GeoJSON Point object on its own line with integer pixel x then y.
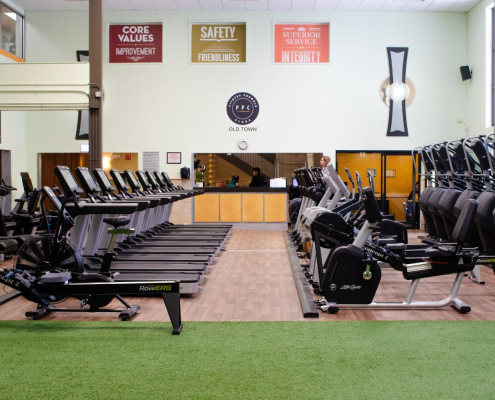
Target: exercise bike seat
{"type": "Point", "coordinates": [117, 221]}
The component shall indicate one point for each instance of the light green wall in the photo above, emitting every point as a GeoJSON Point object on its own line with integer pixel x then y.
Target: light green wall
{"type": "Point", "coordinates": [477, 60]}
{"type": "Point", "coordinates": [176, 106]}
{"type": "Point", "coordinates": [13, 139]}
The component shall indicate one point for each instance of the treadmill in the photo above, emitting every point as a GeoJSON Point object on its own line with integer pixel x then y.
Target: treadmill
{"type": "Point", "coordinates": [130, 248]}
{"type": "Point", "coordinates": [184, 234]}
{"type": "Point", "coordinates": [108, 190]}
{"type": "Point", "coordinates": [135, 240]}
{"type": "Point", "coordinates": [145, 189]}
{"type": "Point", "coordinates": [87, 215]}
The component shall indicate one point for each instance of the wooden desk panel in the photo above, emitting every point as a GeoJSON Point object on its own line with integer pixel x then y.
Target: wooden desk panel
{"type": "Point", "coordinates": [206, 208]}
{"type": "Point", "coordinates": [230, 207]}
{"type": "Point", "coordinates": [275, 207]}
{"type": "Point", "coordinates": [252, 207]}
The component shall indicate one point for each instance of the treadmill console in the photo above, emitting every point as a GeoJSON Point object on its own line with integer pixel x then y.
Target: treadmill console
{"type": "Point", "coordinates": [144, 181]}
{"type": "Point", "coordinates": [103, 181]}
{"type": "Point", "coordinates": [87, 181]}
{"type": "Point", "coordinates": [119, 181]}
{"type": "Point", "coordinates": [129, 176]}
{"type": "Point", "coordinates": [67, 180]}
{"type": "Point", "coordinates": [160, 180]}
{"type": "Point", "coordinates": [53, 198]}
{"type": "Point", "coordinates": [152, 180]}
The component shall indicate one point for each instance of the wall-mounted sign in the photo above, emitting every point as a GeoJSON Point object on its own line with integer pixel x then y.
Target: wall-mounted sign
{"type": "Point", "coordinates": [218, 43]}
{"type": "Point", "coordinates": [302, 43]}
{"type": "Point", "coordinates": [173, 158]}
{"type": "Point", "coordinates": [84, 147]}
{"type": "Point", "coordinates": [243, 108]}
{"type": "Point", "coordinates": [151, 160]}
{"type": "Point", "coordinates": [133, 43]}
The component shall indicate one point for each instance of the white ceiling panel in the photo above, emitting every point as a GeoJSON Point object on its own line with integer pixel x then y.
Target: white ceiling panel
{"type": "Point", "coordinates": [234, 5]}
{"type": "Point", "coordinates": [372, 5]}
{"type": "Point", "coordinates": [280, 4]}
{"type": "Point", "coordinates": [211, 4]}
{"type": "Point", "coordinates": [50, 5]}
{"type": "Point", "coordinates": [303, 5]}
{"type": "Point", "coordinates": [466, 3]}
{"type": "Point", "coordinates": [418, 5]}
{"type": "Point", "coordinates": [441, 5]}
{"type": "Point", "coordinates": [75, 5]}
{"type": "Point", "coordinates": [187, 4]}
{"type": "Point", "coordinates": [349, 5]}
{"type": "Point", "coordinates": [28, 5]}
{"type": "Point", "coordinates": [257, 5]}
{"type": "Point", "coordinates": [165, 4]}
{"type": "Point", "coordinates": [393, 6]}
{"type": "Point", "coordinates": [460, 8]}
{"type": "Point", "coordinates": [141, 4]}
{"type": "Point", "coordinates": [295, 5]}
{"type": "Point", "coordinates": [326, 5]}
{"type": "Point", "coordinates": [118, 4]}
{"type": "Point", "coordinates": [106, 7]}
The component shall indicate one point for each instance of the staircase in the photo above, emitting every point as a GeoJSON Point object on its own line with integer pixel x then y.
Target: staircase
{"type": "Point", "coordinates": [265, 162]}
{"type": "Point", "coordinates": [247, 161]}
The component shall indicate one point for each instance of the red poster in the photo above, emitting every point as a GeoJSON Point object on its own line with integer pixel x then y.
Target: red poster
{"type": "Point", "coordinates": [302, 43]}
{"type": "Point", "coordinates": [133, 43]}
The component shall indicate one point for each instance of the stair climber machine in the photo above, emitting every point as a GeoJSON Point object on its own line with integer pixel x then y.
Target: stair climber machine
{"type": "Point", "coordinates": [342, 203]}
{"type": "Point", "coordinates": [318, 191]}
{"type": "Point", "coordinates": [48, 269]}
{"type": "Point", "coordinates": [87, 237]}
{"type": "Point", "coordinates": [353, 275]}
{"type": "Point", "coordinates": [311, 194]}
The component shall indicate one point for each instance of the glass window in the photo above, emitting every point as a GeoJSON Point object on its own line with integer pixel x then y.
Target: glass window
{"type": "Point", "coordinates": [11, 31]}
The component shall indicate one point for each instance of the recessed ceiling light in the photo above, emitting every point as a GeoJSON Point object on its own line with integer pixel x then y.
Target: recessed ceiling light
{"type": "Point", "coordinates": [11, 15]}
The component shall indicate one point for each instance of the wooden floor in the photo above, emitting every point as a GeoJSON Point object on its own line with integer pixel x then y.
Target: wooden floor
{"type": "Point", "coordinates": [252, 281]}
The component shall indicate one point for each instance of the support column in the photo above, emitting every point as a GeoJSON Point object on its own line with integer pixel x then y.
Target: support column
{"type": "Point", "coordinates": [96, 80]}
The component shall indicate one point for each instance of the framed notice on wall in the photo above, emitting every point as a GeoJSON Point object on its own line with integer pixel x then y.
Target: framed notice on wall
{"type": "Point", "coordinates": [218, 43]}
{"type": "Point", "coordinates": [135, 43]}
{"type": "Point", "coordinates": [305, 43]}
{"type": "Point", "coordinates": [173, 158]}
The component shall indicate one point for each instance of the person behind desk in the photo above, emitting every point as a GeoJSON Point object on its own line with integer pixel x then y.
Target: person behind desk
{"type": "Point", "coordinates": [325, 160]}
{"type": "Point", "coordinates": [258, 180]}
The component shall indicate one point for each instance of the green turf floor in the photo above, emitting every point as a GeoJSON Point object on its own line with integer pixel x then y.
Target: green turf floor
{"type": "Point", "coordinates": [258, 360]}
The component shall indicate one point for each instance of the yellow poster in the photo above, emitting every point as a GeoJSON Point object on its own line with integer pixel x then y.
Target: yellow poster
{"type": "Point", "coordinates": [218, 43]}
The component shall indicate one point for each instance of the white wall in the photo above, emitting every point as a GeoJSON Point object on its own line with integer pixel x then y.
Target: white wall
{"type": "Point", "coordinates": [176, 106]}
{"type": "Point", "coordinates": [478, 92]}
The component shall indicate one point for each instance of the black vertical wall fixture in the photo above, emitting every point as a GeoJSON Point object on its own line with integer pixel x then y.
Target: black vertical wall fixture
{"type": "Point", "coordinates": [397, 60]}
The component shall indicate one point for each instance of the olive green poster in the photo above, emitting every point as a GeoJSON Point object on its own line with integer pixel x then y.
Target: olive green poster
{"type": "Point", "coordinates": [218, 43]}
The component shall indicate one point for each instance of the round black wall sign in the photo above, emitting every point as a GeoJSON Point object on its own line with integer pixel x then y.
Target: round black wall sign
{"type": "Point", "coordinates": [243, 108]}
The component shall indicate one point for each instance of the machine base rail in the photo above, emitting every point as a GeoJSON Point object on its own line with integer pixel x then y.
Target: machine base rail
{"type": "Point", "coordinates": [305, 296]}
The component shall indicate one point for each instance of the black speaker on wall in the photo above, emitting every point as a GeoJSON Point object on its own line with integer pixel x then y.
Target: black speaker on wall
{"type": "Point", "coordinates": [465, 73]}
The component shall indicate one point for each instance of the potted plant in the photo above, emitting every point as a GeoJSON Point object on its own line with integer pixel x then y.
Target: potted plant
{"type": "Point", "coordinates": [199, 178]}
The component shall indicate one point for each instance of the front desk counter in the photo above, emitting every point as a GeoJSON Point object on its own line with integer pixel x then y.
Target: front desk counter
{"type": "Point", "coordinates": [241, 205]}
